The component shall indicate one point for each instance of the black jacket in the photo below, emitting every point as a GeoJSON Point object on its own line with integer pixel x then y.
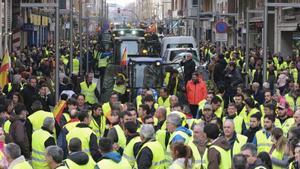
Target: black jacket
{"type": "Point", "coordinates": [29, 94]}
{"type": "Point", "coordinates": [219, 71]}
{"type": "Point", "coordinates": [80, 158]}
{"type": "Point", "coordinates": [189, 69]}
{"type": "Point", "coordinates": [144, 158]}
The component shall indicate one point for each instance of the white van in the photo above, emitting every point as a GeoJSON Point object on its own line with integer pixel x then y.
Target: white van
{"type": "Point", "coordinates": [178, 42]}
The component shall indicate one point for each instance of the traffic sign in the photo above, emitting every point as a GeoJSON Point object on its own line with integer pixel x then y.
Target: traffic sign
{"type": "Point", "coordinates": [221, 37]}
{"type": "Point", "coordinates": [221, 27]}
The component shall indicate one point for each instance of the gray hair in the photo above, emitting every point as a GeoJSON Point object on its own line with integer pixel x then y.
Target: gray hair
{"type": "Point", "coordinates": [162, 109]}
{"type": "Point", "coordinates": [174, 119]}
{"type": "Point", "coordinates": [229, 120]}
{"type": "Point", "coordinates": [49, 123]}
{"type": "Point", "coordinates": [147, 131]}
{"type": "Point", "coordinates": [251, 147]}
{"type": "Point", "coordinates": [12, 150]}
{"type": "Point", "coordinates": [200, 125]}
{"type": "Point", "coordinates": [56, 153]}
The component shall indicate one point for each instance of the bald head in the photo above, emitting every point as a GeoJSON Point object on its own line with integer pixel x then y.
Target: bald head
{"type": "Point", "coordinates": [161, 113]}
{"type": "Point", "coordinates": [228, 128]}
{"type": "Point", "coordinates": [173, 100]}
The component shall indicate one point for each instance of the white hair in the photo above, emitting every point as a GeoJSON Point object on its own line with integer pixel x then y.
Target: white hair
{"type": "Point", "coordinates": [147, 131]}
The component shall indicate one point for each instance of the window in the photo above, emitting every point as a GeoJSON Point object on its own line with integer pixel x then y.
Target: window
{"type": "Point", "coordinates": [195, 3]}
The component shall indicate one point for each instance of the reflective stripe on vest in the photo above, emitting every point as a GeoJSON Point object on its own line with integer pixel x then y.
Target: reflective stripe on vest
{"type": "Point", "coordinates": [84, 135]}
{"type": "Point", "coordinates": [128, 150]}
{"type": "Point", "coordinates": [225, 160]}
{"type": "Point", "coordinates": [165, 103]}
{"type": "Point", "coordinates": [199, 161]}
{"type": "Point", "coordinates": [263, 143]}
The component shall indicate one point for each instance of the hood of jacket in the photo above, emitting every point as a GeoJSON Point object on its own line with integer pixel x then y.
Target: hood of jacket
{"type": "Point", "coordinates": [185, 130]}
{"type": "Point", "coordinates": [221, 142]}
{"type": "Point", "coordinates": [80, 158]}
{"type": "Point", "coordinates": [114, 156]}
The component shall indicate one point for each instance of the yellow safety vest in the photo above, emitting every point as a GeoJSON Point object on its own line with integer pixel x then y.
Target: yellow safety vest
{"type": "Point", "coordinates": [275, 73]}
{"type": "Point", "coordinates": [166, 82]}
{"type": "Point", "coordinates": [279, 156]}
{"type": "Point", "coordinates": [9, 87]}
{"type": "Point", "coordinates": [89, 92]}
{"type": "Point", "coordinates": [263, 143]}
{"type": "Point", "coordinates": [38, 117]}
{"type": "Point", "coordinates": [84, 135]}
{"type": "Point", "coordinates": [293, 103]}
{"type": "Point", "coordinates": [219, 111]}
{"type": "Point", "coordinates": [165, 103]}
{"type": "Point", "coordinates": [291, 165]}
{"type": "Point", "coordinates": [294, 74]}
{"type": "Point", "coordinates": [121, 89]}
{"type": "Point", "coordinates": [108, 163]}
{"type": "Point", "coordinates": [121, 136]}
{"type": "Point", "coordinates": [200, 162]}
{"type": "Point", "coordinates": [6, 126]}
{"type": "Point", "coordinates": [288, 123]}
{"type": "Point", "coordinates": [106, 109]}
{"type": "Point", "coordinates": [139, 99]}
{"type": "Point", "coordinates": [128, 150]}
{"type": "Point", "coordinates": [157, 152]}
{"type": "Point", "coordinates": [70, 126]}
{"type": "Point", "coordinates": [98, 130]}
{"type": "Point", "coordinates": [23, 165]}
{"type": "Point", "coordinates": [67, 117]}
{"type": "Point", "coordinates": [225, 161]}
{"type": "Point", "coordinates": [38, 149]}
{"type": "Point", "coordinates": [283, 65]}
{"type": "Point", "coordinates": [161, 136]}
{"type": "Point", "coordinates": [72, 165]}
{"type": "Point", "coordinates": [76, 66]}
{"type": "Point", "coordinates": [238, 143]}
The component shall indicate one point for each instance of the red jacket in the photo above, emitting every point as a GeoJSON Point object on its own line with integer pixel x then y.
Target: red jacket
{"type": "Point", "coordinates": [196, 92]}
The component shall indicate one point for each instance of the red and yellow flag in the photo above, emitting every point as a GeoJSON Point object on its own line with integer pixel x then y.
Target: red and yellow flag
{"type": "Point", "coordinates": [4, 69]}
{"type": "Point", "coordinates": [124, 57]}
{"type": "Point", "coordinates": [58, 109]}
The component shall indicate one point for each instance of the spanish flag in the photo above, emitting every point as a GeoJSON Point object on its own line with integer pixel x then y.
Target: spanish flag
{"type": "Point", "coordinates": [4, 69]}
{"type": "Point", "coordinates": [58, 109]}
{"type": "Point", "coordinates": [124, 57]}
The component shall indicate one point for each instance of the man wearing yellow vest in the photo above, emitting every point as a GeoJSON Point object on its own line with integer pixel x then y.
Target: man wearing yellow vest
{"type": "Point", "coordinates": [116, 133]}
{"type": "Point", "coordinates": [78, 159]}
{"type": "Point", "coordinates": [110, 158]}
{"type": "Point", "coordinates": [219, 152]}
{"type": "Point", "coordinates": [285, 122]}
{"type": "Point", "coordinates": [70, 112]}
{"type": "Point", "coordinates": [107, 107]}
{"type": "Point", "coordinates": [133, 142]}
{"type": "Point", "coordinates": [198, 146]}
{"type": "Point", "coordinates": [54, 158]}
{"type": "Point", "coordinates": [178, 133]}
{"type": "Point", "coordinates": [98, 121]}
{"type": "Point", "coordinates": [35, 120]}
{"type": "Point", "coordinates": [151, 154]}
{"type": "Point", "coordinates": [250, 110]}
{"type": "Point", "coordinates": [235, 140]}
{"type": "Point", "coordinates": [293, 97]}
{"type": "Point", "coordinates": [86, 135]}
{"type": "Point", "coordinates": [41, 139]}
{"type": "Point", "coordinates": [249, 150]}
{"type": "Point", "coordinates": [89, 89]}
{"type": "Point", "coordinates": [14, 158]}
{"type": "Point", "coordinates": [239, 124]}
{"type": "Point", "coordinates": [164, 99]}
{"type": "Point", "coordinates": [76, 66]}
{"type": "Point", "coordinates": [262, 138]}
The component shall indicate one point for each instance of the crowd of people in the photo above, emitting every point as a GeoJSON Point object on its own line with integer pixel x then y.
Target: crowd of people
{"type": "Point", "coordinates": [218, 121]}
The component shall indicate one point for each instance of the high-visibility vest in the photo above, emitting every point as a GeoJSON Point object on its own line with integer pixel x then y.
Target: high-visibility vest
{"type": "Point", "coordinates": [238, 143]}
{"type": "Point", "coordinates": [263, 143]}
{"type": "Point", "coordinates": [38, 149]}
{"type": "Point", "coordinates": [23, 165]}
{"type": "Point", "coordinates": [62, 167]}
{"type": "Point", "coordinates": [139, 99]}
{"type": "Point", "coordinates": [84, 135]}
{"type": "Point", "coordinates": [294, 73]}
{"type": "Point", "coordinates": [276, 62]}
{"type": "Point", "coordinates": [157, 152]}
{"type": "Point", "coordinates": [275, 73]}
{"type": "Point", "coordinates": [70, 126]}
{"type": "Point", "coordinates": [76, 66]}
{"type": "Point", "coordinates": [165, 103]}
{"type": "Point", "coordinates": [292, 165]}
{"type": "Point", "coordinates": [106, 109]}
{"type": "Point", "coordinates": [67, 117]}
{"type": "Point", "coordinates": [248, 116]}
{"type": "Point", "coordinates": [200, 162]}
{"type": "Point", "coordinates": [121, 89]}
{"type": "Point", "coordinates": [121, 136]}
{"type": "Point", "coordinates": [293, 103]}
{"type": "Point", "coordinates": [219, 111]}
{"type": "Point", "coordinates": [162, 136]}
{"type": "Point", "coordinates": [89, 92]}
{"type": "Point", "coordinates": [168, 153]}
{"type": "Point", "coordinates": [72, 165]}
{"type": "Point", "coordinates": [238, 122]}
{"type": "Point", "coordinates": [108, 163]}
{"type": "Point", "coordinates": [98, 129]}
{"type": "Point", "coordinates": [6, 126]}
{"type": "Point", "coordinates": [288, 123]}
{"type": "Point", "coordinates": [38, 117]}
{"type": "Point", "coordinates": [283, 65]}
{"type": "Point", "coordinates": [279, 156]}
{"type": "Point", "coordinates": [225, 160]}
{"type": "Point", "coordinates": [128, 150]}
{"type": "Point", "coordinates": [9, 87]}
{"type": "Point", "coordinates": [166, 82]}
